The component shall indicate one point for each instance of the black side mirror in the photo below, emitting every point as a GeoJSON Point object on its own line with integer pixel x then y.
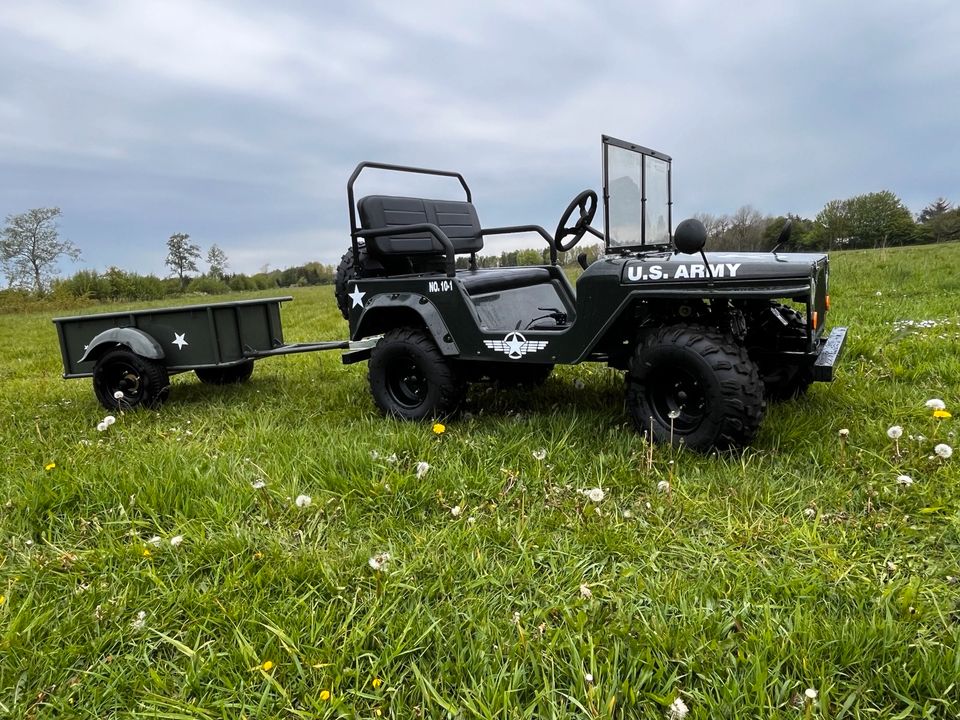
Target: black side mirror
{"type": "Point", "coordinates": [690, 236]}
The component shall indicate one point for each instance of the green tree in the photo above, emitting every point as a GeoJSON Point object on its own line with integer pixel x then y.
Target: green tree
{"type": "Point", "coordinates": [831, 227]}
{"type": "Point", "coordinates": [880, 219]}
{"type": "Point", "coordinates": [217, 260]}
{"type": "Point", "coordinates": [182, 256]}
{"type": "Point", "coordinates": [938, 207]}
{"type": "Point", "coordinates": [30, 247]}
{"type": "Point", "coordinates": [939, 221]}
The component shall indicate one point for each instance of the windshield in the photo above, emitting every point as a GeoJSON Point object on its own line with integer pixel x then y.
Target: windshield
{"type": "Point", "coordinates": [638, 196]}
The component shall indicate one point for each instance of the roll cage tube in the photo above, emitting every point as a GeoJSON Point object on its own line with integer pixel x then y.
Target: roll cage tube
{"type": "Point", "coordinates": [356, 233]}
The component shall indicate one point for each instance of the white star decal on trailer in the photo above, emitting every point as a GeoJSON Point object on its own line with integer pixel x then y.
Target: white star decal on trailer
{"type": "Point", "coordinates": [179, 339]}
{"type": "Point", "coordinates": [356, 296]}
{"type": "Point", "coordinates": [515, 345]}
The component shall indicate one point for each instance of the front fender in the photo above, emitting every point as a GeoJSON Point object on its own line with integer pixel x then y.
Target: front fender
{"type": "Point", "coordinates": [137, 340]}
{"type": "Point", "coordinates": [391, 310]}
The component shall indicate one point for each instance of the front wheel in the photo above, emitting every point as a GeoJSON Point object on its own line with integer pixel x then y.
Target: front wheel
{"type": "Point", "coordinates": [694, 385]}
{"type": "Point", "coordinates": [123, 380]}
{"type": "Point", "coordinates": [411, 379]}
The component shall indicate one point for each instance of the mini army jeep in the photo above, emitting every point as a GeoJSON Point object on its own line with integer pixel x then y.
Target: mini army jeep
{"type": "Point", "coordinates": [705, 339]}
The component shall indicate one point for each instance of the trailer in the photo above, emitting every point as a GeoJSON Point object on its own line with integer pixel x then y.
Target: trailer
{"type": "Point", "coordinates": [131, 355]}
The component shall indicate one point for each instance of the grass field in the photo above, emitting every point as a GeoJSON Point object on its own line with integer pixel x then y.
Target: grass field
{"type": "Point", "coordinates": [508, 593]}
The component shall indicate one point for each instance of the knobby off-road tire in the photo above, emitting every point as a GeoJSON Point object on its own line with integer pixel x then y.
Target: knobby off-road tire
{"type": "Point", "coordinates": [785, 381]}
{"type": "Point", "coordinates": [410, 379]}
{"type": "Point", "coordinates": [345, 274]}
{"type": "Point", "coordinates": [702, 377]}
{"type": "Point", "coordinates": [143, 382]}
{"type": "Point", "coordinates": [230, 375]}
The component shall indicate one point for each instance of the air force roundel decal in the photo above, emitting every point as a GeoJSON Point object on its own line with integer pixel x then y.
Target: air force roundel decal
{"type": "Point", "coordinates": [515, 345]}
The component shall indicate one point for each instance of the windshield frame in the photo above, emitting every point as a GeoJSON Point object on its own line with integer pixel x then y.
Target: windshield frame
{"type": "Point", "coordinates": [644, 153]}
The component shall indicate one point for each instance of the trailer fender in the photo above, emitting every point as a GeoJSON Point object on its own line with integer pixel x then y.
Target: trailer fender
{"type": "Point", "coordinates": [136, 340]}
{"type": "Point", "coordinates": [398, 309]}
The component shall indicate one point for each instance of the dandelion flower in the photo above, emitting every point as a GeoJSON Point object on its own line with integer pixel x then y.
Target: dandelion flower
{"type": "Point", "coordinates": [109, 420]}
{"type": "Point", "coordinates": [324, 695]}
{"type": "Point", "coordinates": [678, 710]}
{"type": "Point", "coordinates": [809, 513]}
{"type": "Point", "coordinates": [176, 540]}
{"type": "Point", "coordinates": [392, 458]}
{"type": "Point", "coordinates": [303, 501]}
{"type": "Point", "coordinates": [596, 494]}
{"type": "Point", "coordinates": [942, 414]}
{"type": "Point", "coordinates": [379, 561]}
{"type": "Point", "coordinates": [539, 454]}
{"type": "Point", "coordinates": [673, 414]}
{"type": "Point", "coordinates": [843, 432]}
{"type": "Point", "coordinates": [578, 384]}
{"type": "Point", "coordinates": [140, 621]}
{"type": "Point", "coordinates": [935, 404]}
{"type": "Point", "coordinates": [267, 665]}
{"type": "Point", "coordinates": [376, 682]}
{"type": "Point", "coordinates": [588, 677]}
{"type": "Point", "coordinates": [904, 480]}
{"type": "Point", "coordinates": [155, 541]}
{"type": "Point", "coordinates": [118, 395]}
{"type": "Point", "coordinates": [456, 510]}
{"type": "Point", "coordinates": [258, 484]}
{"type": "Point", "coordinates": [586, 592]}
{"type": "Point", "coordinates": [810, 693]}
{"type": "Point", "coordinates": [943, 451]}
{"type": "Point", "coordinates": [102, 426]}
{"type": "Point", "coordinates": [663, 486]}
{"type": "Point", "coordinates": [422, 468]}
{"type": "Point", "coordinates": [894, 432]}
{"type": "Point", "coordinates": [439, 428]}
{"type": "Point", "coordinates": [146, 552]}
{"type": "Point", "coordinates": [49, 466]}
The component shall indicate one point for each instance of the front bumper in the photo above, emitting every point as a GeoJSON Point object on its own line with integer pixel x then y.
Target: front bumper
{"type": "Point", "coordinates": [829, 354]}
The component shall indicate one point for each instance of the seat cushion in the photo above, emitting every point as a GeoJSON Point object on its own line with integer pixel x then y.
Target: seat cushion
{"type": "Point", "coordinates": [489, 280]}
{"type": "Point", "coordinates": [456, 218]}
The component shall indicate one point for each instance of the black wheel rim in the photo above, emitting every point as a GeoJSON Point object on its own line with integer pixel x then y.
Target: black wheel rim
{"type": "Point", "coordinates": [678, 397]}
{"type": "Point", "coordinates": [123, 376]}
{"type": "Point", "coordinates": [406, 383]}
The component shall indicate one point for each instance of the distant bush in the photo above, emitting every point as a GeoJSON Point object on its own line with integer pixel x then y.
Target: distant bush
{"type": "Point", "coordinates": [208, 285]}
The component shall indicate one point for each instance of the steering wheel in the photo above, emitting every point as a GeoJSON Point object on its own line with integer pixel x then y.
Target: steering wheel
{"type": "Point", "coordinates": [587, 203]}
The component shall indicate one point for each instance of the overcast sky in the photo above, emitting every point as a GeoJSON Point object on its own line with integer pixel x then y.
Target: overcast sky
{"type": "Point", "coordinates": [239, 122]}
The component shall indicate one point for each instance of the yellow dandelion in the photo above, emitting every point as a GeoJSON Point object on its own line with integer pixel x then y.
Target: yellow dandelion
{"type": "Point", "coordinates": [3, 599]}
{"type": "Point", "coordinates": [942, 414]}
{"type": "Point", "coordinates": [146, 552]}
{"type": "Point", "coordinates": [324, 695]}
{"type": "Point", "coordinates": [378, 712]}
{"type": "Point", "coordinates": [267, 665]}
{"type": "Point", "coordinates": [49, 466]}
{"type": "Point", "coordinates": [439, 428]}
{"type": "Point", "coordinates": [377, 682]}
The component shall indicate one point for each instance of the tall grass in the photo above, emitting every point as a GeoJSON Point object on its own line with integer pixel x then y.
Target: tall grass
{"type": "Point", "coordinates": [509, 593]}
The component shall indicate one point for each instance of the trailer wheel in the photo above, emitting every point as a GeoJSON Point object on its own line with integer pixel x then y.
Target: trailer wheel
{"type": "Point", "coordinates": [141, 381]}
{"type": "Point", "coordinates": [699, 387]}
{"type": "Point", "coordinates": [410, 379]}
{"type": "Point", "coordinates": [229, 375]}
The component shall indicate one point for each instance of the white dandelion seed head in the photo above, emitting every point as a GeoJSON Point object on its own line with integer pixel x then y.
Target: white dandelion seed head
{"type": "Point", "coordinates": [588, 677]}
{"type": "Point", "coordinates": [678, 710]}
{"type": "Point", "coordinates": [810, 693]}
{"type": "Point", "coordinates": [374, 455]}
{"type": "Point", "coordinates": [102, 426]}
{"type": "Point", "coordinates": [392, 458]}
{"type": "Point", "coordinates": [139, 622]}
{"type": "Point", "coordinates": [586, 592]}
{"type": "Point", "coordinates": [663, 486]}
{"type": "Point", "coordinates": [109, 420]}
{"type": "Point", "coordinates": [809, 513]}
{"type": "Point", "coordinates": [904, 480]}
{"type": "Point", "coordinates": [894, 432]}
{"type": "Point", "coordinates": [627, 514]}
{"type": "Point", "coordinates": [943, 451]}
{"type": "Point", "coordinates": [935, 404]}
{"type": "Point", "coordinates": [456, 510]}
{"type": "Point", "coordinates": [176, 540]}
{"type": "Point", "coordinates": [539, 454]}
{"type": "Point", "coordinates": [303, 501]}
{"type": "Point", "coordinates": [674, 414]}
{"type": "Point", "coordinates": [596, 494]}
{"type": "Point", "coordinates": [118, 395]}
{"type": "Point", "coordinates": [422, 468]}
{"type": "Point", "coordinates": [578, 384]}
{"type": "Point", "coordinates": [879, 293]}
{"type": "Point", "coordinates": [516, 617]}
{"type": "Point", "coordinates": [155, 541]}
{"type": "Point", "coordinates": [379, 561]}
{"type": "Point", "coordinates": [843, 432]}
{"type": "Point", "coordinates": [471, 519]}
{"type": "Point", "coordinates": [258, 484]}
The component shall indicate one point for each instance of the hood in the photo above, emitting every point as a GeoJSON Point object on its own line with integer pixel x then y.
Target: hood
{"type": "Point", "coordinates": [734, 266]}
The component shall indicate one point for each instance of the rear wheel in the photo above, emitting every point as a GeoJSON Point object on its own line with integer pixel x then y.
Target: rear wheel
{"type": "Point", "coordinates": [411, 379]}
{"type": "Point", "coordinates": [229, 375]}
{"type": "Point", "coordinates": [123, 380]}
{"type": "Point", "coordinates": [695, 386]}
{"type": "Point", "coordinates": [345, 274]}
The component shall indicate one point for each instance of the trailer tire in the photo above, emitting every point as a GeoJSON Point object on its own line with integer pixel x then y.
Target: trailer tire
{"type": "Point", "coordinates": [705, 377]}
{"type": "Point", "coordinates": [410, 379]}
{"type": "Point", "coordinates": [142, 381]}
{"type": "Point", "coordinates": [229, 375]}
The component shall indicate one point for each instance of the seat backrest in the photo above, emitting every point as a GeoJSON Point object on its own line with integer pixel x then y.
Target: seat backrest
{"type": "Point", "coordinates": [457, 218]}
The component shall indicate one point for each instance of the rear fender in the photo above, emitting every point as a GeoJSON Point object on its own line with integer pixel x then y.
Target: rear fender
{"type": "Point", "coordinates": [388, 311]}
{"type": "Point", "coordinates": [136, 340]}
